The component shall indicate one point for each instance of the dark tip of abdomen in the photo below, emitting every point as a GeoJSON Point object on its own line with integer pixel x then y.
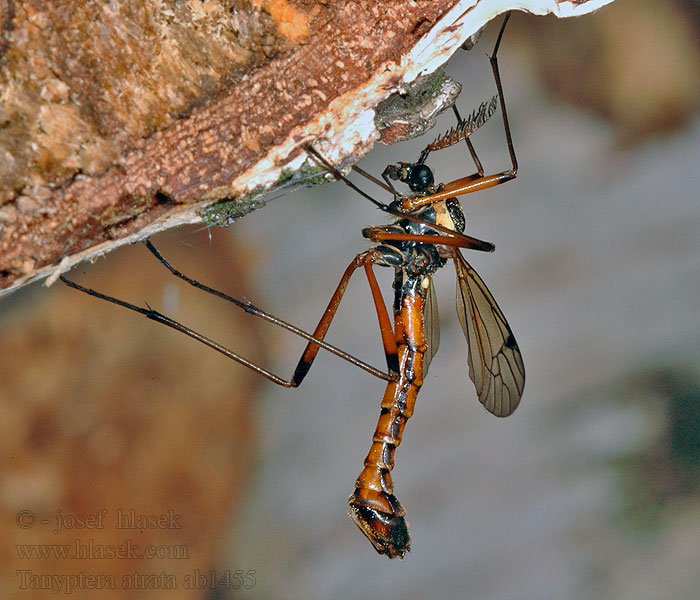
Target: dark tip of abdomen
{"type": "Point", "coordinates": [387, 532]}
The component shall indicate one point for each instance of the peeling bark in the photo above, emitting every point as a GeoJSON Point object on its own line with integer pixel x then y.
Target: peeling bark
{"type": "Point", "coordinates": [114, 126]}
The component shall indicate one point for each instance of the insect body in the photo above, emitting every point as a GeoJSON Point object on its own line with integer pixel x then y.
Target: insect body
{"type": "Point", "coordinates": [428, 231]}
{"type": "Point", "coordinates": [415, 250]}
{"type": "Point", "coordinates": [373, 506]}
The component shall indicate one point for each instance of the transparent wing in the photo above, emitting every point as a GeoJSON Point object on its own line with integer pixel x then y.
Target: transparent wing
{"type": "Point", "coordinates": [431, 325]}
{"type": "Point", "coordinates": [495, 363]}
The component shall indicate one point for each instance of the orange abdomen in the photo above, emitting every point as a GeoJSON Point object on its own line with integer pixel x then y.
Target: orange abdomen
{"type": "Point", "coordinates": [373, 506]}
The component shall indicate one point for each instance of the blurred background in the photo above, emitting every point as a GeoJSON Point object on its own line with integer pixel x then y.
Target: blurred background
{"type": "Point", "coordinates": [590, 490]}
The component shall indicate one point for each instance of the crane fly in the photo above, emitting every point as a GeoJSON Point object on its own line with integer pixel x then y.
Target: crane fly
{"type": "Point", "coordinates": [427, 232]}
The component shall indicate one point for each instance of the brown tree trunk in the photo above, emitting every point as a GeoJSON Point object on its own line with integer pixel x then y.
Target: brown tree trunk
{"type": "Point", "coordinates": [118, 121]}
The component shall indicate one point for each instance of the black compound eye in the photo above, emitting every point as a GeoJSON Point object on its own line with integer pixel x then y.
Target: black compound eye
{"type": "Point", "coordinates": [420, 178]}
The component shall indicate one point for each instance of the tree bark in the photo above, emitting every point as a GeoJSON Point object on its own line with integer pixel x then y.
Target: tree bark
{"type": "Point", "coordinates": [118, 122]}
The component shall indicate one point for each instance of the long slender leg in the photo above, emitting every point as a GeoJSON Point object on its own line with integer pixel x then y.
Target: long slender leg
{"type": "Point", "coordinates": [338, 175]}
{"type": "Point", "coordinates": [389, 188]}
{"type": "Point", "coordinates": [438, 240]}
{"type": "Point", "coordinates": [365, 258]}
{"type": "Point", "coordinates": [499, 86]}
{"type": "Point", "coordinates": [470, 146]}
{"type": "Point", "coordinates": [382, 234]}
{"type": "Point", "coordinates": [467, 185]}
{"type": "Point", "coordinates": [315, 342]}
{"type": "Point", "coordinates": [165, 320]}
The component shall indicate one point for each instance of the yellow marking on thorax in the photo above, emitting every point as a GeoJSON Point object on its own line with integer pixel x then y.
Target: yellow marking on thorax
{"type": "Point", "coordinates": [442, 215]}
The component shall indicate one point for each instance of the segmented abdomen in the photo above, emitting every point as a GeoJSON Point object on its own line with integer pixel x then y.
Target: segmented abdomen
{"type": "Point", "coordinates": [373, 506]}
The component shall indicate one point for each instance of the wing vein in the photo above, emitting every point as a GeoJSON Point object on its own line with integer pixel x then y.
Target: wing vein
{"type": "Point", "coordinates": [495, 362]}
